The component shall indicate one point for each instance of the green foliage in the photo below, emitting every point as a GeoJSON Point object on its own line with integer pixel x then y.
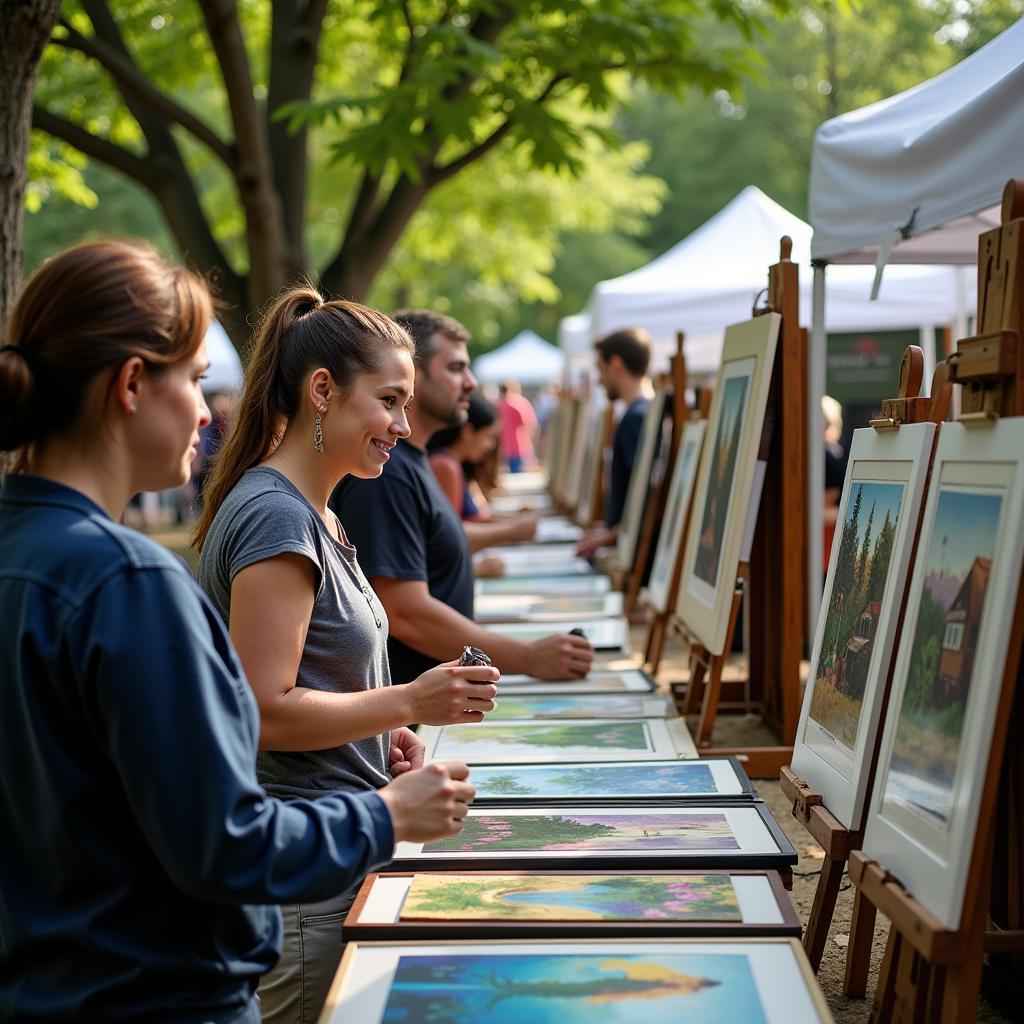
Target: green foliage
{"type": "Point", "coordinates": [925, 654]}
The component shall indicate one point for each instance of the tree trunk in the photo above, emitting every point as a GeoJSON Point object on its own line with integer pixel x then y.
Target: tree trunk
{"type": "Point", "coordinates": [25, 27]}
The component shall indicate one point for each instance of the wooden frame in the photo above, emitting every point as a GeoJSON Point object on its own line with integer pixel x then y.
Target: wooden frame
{"type": "Point", "coordinates": [785, 985]}
{"type": "Point", "coordinates": [712, 779]}
{"type": "Point", "coordinates": [477, 743]}
{"type": "Point", "coordinates": [764, 906]}
{"type": "Point", "coordinates": [823, 755]}
{"type": "Point", "coordinates": [747, 837]}
{"type": "Point", "coordinates": [743, 383]}
{"type": "Point", "coordinates": [630, 680]}
{"type": "Point", "coordinates": [933, 859]}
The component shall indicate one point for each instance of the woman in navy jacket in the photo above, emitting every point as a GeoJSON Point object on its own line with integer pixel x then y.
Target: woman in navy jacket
{"type": "Point", "coordinates": [140, 859]}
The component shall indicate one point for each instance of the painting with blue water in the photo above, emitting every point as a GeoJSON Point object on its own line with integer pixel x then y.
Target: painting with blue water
{"type": "Point", "coordinates": [590, 780]}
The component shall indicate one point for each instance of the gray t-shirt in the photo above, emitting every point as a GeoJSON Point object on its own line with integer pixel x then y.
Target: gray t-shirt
{"type": "Point", "coordinates": [346, 643]}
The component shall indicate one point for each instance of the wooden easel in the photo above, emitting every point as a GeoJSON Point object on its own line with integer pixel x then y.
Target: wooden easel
{"type": "Point", "coordinates": [657, 494]}
{"type": "Point", "coordinates": [807, 805]}
{"type": "Point", "coordinates": [932, 973]}
{"type": "Point", "coordinates": [775, 574]}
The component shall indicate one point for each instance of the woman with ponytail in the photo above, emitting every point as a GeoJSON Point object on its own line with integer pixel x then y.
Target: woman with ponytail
{"type": "Point", "coordinates": [324, 396]}
{"type": "Point", "coordinates": [140, 858]}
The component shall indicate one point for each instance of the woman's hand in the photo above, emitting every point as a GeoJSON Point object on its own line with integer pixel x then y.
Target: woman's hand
{"type": "Point", "coordinates": [453, 693]}
{"type": "Point", "coordinates": [406, 751]}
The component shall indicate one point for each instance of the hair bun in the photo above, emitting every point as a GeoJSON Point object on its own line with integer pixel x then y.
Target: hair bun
{"type": "Point", "coordinates": [17, 391]}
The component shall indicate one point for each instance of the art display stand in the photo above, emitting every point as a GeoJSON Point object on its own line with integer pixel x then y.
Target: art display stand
{"type": "Point", "coordinates": [595, 510]}
{"type": "Point", "coordinates": [775, 575]}
{"type": "Point", "coordinates": [929, 972]}
{"type": "Point", "coordinates": [657, 494]}
{"type": "Point", "coordinates": [807, 805]}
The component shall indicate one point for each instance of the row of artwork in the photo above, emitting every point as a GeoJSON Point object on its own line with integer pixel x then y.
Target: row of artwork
{"type": "Point", "coordinates": [947, 671]}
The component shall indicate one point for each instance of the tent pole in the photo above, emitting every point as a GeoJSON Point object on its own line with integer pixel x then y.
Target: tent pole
{"type": "Point", "coordinates": [816, 359]}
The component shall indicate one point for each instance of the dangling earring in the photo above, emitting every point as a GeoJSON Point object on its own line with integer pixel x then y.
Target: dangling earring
{"type": "Point", "coordinates": [318, 433]}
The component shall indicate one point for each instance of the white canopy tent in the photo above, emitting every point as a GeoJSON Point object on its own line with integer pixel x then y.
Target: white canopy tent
{"type": "Point", "coordinates": [574, 339]}
{"type": "Point", "coordinates": [912, 179]}
{"type": "Point", "coordinates": [712, 277]}
{"type": "Point", "coordinates": [225, 372]}
{"type": "Point", "coordinates": [527, 358]}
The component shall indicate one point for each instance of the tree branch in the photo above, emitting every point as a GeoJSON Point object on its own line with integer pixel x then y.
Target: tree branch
{"type": "Point", "coordinates": [128, 77]}
{"type": "Point", "coordinates": [95, 147]}
{"type": "Point", "coordinates": [439, 174]}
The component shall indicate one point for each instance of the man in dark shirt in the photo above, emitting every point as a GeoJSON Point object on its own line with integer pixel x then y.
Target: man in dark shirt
{"type": "Point", "coordinates": [623, 359]}
{"type": "Point", "coordinates": [411, 543]}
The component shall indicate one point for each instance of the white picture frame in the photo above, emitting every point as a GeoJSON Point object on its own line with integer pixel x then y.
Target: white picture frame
{"type": "Point", "coordinates": [592, 458]}
{"type": "Point", "coordinates": [604, 634]}
{"type": "Point", "coordinates": [677, 511]}
{"type": "Point", "coordinates": [831, 752]}
{"type": "Point", "coordinates": [564, 741]}
{"type": "Point", "coordinates": [545, 585]}
{"type": "Point", "coordinates": [540, 608]}
{"type": "Point", "coordinates": [534, 559]}
{"type": "Point", "coordinates": [591, 411]}
{"type": "Point", "coordinates": [714, 541]}
{"type": "Point", "coordinates": [640, 482]}
{"type": "Point", "coordinates": [783, 982]}
{"type": "Point", "coordinates": [548, 707]}
{"type": "Point", "coordinates": [921, 824]}
{"type": "Point", "coordinates": [631, 680]}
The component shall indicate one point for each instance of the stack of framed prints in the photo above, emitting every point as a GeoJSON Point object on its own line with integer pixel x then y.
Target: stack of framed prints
{"type": "Point", "coordinates": [577, 904]}
{"type": "Point", "coordinates": [535, 607]}
{"type": "Point", "coordinates": [536, 559]}
{"type": "Point", "coordinates": [563, 740]}
{"type": "Point", "coordinates": [599, 981]}
{"type": "Point", "coordinates": [603, 634]}
{"type": "Point", "coordinates": [625, 835]}
{"type": "Point", "coordinates": [597, 681]}
{"type": "Point", "coordinates": [544, 585]}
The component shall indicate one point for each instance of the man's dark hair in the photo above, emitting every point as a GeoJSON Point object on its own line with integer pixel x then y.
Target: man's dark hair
{"type": "Point", "coordinates": [424, 325]}
{"type": "Point", "coordinates": [631, 344]}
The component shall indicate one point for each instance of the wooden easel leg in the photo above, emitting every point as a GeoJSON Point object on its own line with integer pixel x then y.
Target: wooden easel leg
{"type": "Point", "coordinates": [858, 953]}
{"type": "Point", "coordinates": [695, 688]}
{"type": "Point", "coordinates": [823, 909]}
{"type": "Point", "coordinates": [656, 643]}
{"type": "Point", "coordinates": [709, 706]}
{"type": "Point", "coordinates": [885, 994]}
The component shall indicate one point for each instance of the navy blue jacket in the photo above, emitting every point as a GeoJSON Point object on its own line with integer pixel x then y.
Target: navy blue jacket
{"type": "Point", "coordinates": [136, 845]}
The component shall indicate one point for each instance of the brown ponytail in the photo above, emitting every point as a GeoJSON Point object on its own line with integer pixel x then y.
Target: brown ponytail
{"type": "Point", "coordinates": [299, 333]}
{"type": "Point", "coordinates": [82, 312]}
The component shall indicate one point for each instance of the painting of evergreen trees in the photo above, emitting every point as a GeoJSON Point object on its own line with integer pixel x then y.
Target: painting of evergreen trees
{"type": "Point", "coordinates": [863, 560]}
{"type": "Point", "coordinates": [720, 479]}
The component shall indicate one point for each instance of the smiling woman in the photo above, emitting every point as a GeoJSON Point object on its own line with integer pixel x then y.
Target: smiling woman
{"type": "Point", "coordinates": [325, 396]}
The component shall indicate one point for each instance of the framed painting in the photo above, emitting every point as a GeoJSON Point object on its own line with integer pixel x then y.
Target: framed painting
{"type": "Point", "coordinates": [640, 481]}
{"type": "Point", "coordinates": [852, 652]}
{"type": "Point", "coordinates": [587, 422]}
{"type": "Point", "coordinates": [561, 456]}
{"type": "Point", "coordinates": [537, 608]}
{"type": "Point", "coordinates": [545, 585]}
{"type": "Point", "coordinates": [537, 559]}
{"type": "Point", "coordinates": [510, 504]}
{"type": "Point", "coordinates": [934, 762]}
{"type": "Point", "coordinates": [494, 905]}
{"type": "Point", "coordinates": [580, 981]}
{"type": "Point", "coordinates": [542, 707]}
{"type": "Point", "coordinates": [677, 512]}
{"type": "Point", "coordinates": [632, 680]}
{"type": "Point", "coordinates": [613, 835]}
{"type": "Point", "coordinates": [586, 781]}
{"type": "Point", "coordinates": [583, 739]}
{"type": "Point", "coordinates": [603, 634]}
{"type": "Point", "coordinates": [725, 479]}
{"type": "Point", "coordinates": [557, 530]}
{"type": "Point", "coordinates": [591, 466]}
{"type": "Point", "coordinates": [525, 483]}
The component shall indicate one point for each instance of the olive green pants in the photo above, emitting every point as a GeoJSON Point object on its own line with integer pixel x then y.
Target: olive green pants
{"type": "Point", "coordinates": [294, 991]}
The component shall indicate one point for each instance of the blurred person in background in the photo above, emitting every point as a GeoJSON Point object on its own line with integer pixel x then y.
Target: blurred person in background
{"type": "Point", "coordinates": [518, 423]}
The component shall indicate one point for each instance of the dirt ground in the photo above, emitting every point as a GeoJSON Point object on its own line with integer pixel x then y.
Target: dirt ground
{"type": "Point", "coordinates": [735, 730]}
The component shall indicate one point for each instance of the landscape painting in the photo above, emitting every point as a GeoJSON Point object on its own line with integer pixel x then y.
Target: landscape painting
{"type": "Point", "coordinates": [612, 706]}
{"type": "Point", "coordinates": [565, 738]}
{"type": "Point", "coordinates": [588, 831]}
{"type": "Point", "coordinates": [719, 488]}
{"type": "Point", "coordinates": [633, 897]}
{"type": "Point", "coordinates": [863, 559]}
{"type": "Point", "coordinates": [593, 780]}
{"type": "Point", "coordinates": [590, 988]}
{"type": "Point", "coordinates": [926, 750]}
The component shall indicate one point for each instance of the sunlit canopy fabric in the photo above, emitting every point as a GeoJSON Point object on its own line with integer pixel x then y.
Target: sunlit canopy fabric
{"type": "Point", "coordinates": [527, 358]}
{"type": "Point", "coordinates": [931, 161]}
{"type": "Point", "coordinates": [225, 372]}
